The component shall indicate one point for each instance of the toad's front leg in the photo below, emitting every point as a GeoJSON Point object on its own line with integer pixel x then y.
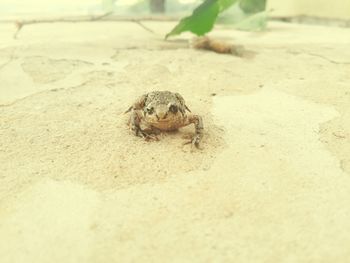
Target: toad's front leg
{"type": "Point", "coordinates": [198, 124]}
{"type": "Point", "coordinates": [134, 123]}
{"type": "Point", "coordinates": [139, 128]}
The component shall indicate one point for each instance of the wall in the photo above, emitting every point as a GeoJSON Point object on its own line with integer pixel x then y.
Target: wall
{"type": "Point", "coordinates": [320, 8]}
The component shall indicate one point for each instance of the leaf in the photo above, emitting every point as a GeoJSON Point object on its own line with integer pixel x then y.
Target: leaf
{"type": "Point", "coordinates": [108, 5]}
{"type": "Point", "coordinates": [252, 6]}
{"type": "Point", "coordinates": [200, 22]}
{"type": "Point", "coordinates": [224, 4]}
{"type": "Point", "coordinates": [254, 22]}
{"type": "Point", "coordinates": [202, 19]}
{"type": "Point", "coordinates": [238, 19]}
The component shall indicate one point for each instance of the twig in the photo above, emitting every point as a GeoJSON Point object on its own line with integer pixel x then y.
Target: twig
{"type": "Point", "coordinates": [143, 26]}
{"type": "Point", "coordinates": [104, 17]}
{"type": "Point", "coordinates": [101, 16]}
{"type": "Point", "coordinates": [20, 24]}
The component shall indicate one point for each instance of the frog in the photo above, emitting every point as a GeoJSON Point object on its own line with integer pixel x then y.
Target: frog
{"type": "Point", "coordinates": [163, 111]}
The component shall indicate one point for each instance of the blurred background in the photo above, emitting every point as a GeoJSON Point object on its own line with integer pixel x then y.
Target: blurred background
{"type": "Point", "coordinates": [336, 9]}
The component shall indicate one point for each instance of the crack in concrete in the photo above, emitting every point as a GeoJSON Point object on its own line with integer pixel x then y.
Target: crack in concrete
{"type": "Point", "coordinates": [328, 59]}
{"type": "Point", "coordinates": [28, 96]}
{"type": "Point", "coordinates": [12, 57]}
{"type": "Point", "coordinates": [6, 63]}
{"type": "Point", "coordinates": [296, 52]}
{"type": "Point", "coordinates": [343, 165]}
{"type": "Point", "coordinates": [40, 92]}
{"type": "Point", "coordinates": [44, 70]}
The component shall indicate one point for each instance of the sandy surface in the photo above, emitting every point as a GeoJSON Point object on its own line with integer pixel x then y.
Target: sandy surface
{"type": "Point", "coordinates": [271, 184]}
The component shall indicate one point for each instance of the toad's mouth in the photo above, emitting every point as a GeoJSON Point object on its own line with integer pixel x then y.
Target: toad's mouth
{"type": "Point", "coordinates": [158, 121]}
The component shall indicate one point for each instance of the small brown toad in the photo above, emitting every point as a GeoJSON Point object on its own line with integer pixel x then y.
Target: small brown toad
{"type": "Point", "coordinates": [163, 111]}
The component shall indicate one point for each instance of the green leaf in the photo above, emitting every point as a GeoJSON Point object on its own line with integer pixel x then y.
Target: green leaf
{"type": "Point", "coordinates": [254, 22]}
{"type": "Point", "coordinates": [239, 19]}
{"type": "Point", "coordinates": [252, 6]}
{"type": "Point", "coordinates": [202, 19]}
{"type": "Point", "coordinates": [224, 4]}
{"type": "Point", "coordinates": [108, 5]}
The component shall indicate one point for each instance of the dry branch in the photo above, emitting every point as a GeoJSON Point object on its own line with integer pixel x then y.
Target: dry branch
{"type": "Point", "coordinates": [20, 23]}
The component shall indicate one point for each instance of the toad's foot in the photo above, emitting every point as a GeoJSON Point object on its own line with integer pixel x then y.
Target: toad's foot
{"type": "Point", "coordinates": [198, 124]}
{"type": "Point", "coordinates": [135, 127]}
{"type": "Point", "coordinates": [194, 141]}
{"type": "Point", "coordinates": [147, 135]}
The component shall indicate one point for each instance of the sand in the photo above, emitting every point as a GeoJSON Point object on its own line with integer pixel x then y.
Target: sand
{"type": "Point", "coordinates": [271, 183]}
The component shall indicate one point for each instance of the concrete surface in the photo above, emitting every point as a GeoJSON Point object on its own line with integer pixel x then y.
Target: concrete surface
{"type": "Point", "coordinates": [271, 184]}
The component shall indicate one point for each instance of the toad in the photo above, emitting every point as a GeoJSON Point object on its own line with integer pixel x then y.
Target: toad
{"type": "Point", "coordinates": [160, 111]}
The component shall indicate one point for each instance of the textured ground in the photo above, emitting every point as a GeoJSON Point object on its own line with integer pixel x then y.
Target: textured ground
{"type": "Point", "coordinates": [271, 184]}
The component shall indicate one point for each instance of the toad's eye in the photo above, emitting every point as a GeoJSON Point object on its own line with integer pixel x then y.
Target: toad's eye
{"type": "Point", "coordinates": [173, 108]}
{"type": "Point", "coordinates": [150, 110]}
